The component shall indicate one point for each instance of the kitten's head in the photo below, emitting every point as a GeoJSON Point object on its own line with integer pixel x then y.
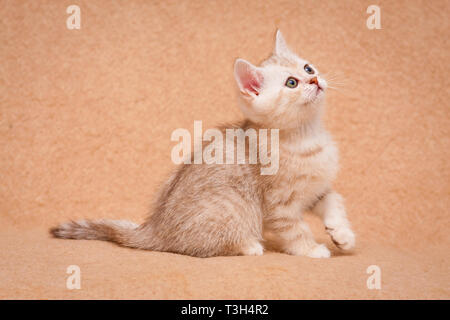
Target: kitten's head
{"type": "Point", "coordinates": [284, 92]}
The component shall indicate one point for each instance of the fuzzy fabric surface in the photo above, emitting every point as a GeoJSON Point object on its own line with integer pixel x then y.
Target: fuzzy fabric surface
{"type": "Point", "coordinates": [86, 118]}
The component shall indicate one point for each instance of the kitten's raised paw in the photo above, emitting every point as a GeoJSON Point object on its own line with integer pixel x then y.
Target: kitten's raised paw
{"type": "Point", "coordinates": [343, 238]}
{"type": "Point", "coordinates": [319, 251]}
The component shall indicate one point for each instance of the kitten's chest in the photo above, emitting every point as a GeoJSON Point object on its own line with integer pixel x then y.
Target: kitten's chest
{"type": "Point", "coordinates": [314, 162]}
{"type": "Point", "coordinates": [305, 172]}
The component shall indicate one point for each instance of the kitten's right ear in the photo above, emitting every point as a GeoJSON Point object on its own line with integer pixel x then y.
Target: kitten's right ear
{"type": "Point", "coordinates": [248, 77]}
{"type": "Point", "coordinates": [281, 48]}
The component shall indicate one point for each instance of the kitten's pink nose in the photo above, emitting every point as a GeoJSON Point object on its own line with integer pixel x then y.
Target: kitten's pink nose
{"type": "Point", "coordinates": [314, 80]}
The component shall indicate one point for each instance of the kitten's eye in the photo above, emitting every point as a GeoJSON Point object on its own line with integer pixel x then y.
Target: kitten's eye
{"type": "Point", "coordinates": [291, 83]}
{"type": "Point", "coordinates": [308, 69]}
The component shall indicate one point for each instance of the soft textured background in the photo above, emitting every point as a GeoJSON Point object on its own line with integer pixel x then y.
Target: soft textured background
{"type": "Point", "coordinates": [86, 117]}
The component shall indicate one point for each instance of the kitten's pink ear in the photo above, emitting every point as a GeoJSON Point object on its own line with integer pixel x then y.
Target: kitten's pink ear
{"type": "Point", "coordinates": [248, 77]}
{"type": "Point", "coordinates": [281, 48]}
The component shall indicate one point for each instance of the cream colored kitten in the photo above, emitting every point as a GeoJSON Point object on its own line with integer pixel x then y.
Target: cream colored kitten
{"type": "Point", "coordinates": [211, 210]}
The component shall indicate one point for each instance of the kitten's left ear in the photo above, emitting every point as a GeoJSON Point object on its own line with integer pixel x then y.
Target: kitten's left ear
{"type": "Point", "coordinates": [281, 48]}
{"type": "Point", "coordinates": [248, 77]}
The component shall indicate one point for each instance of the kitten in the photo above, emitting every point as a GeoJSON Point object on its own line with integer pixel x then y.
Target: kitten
{"type": "Point", "coordinates": [209, 210]}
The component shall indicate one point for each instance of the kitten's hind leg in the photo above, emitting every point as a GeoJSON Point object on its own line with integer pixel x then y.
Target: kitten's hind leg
{"type": "Point", "coordinates": [252, 248]}
{"type": "Point", "coordinates": [331, 209]}
{"type": "Point", "coordinates": [293, 236]}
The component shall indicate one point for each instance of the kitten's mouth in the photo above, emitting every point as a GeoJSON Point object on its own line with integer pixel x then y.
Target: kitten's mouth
{"type": "Point", "coordinates": [319, 89]}
{"type": "Point", "coordinates": [317, 93]}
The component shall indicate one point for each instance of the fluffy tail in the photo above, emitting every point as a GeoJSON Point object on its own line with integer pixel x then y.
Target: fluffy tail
{"type": "Point", "coordinates": [122, 232]}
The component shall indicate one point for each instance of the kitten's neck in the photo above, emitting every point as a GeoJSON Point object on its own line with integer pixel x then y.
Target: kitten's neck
{"type": "Point", "coordinates": [306, 130]}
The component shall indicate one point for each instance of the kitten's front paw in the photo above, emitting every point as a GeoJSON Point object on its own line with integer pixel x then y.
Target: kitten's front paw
{"type": "Point", "coordinates": [343, 237]}
{"type": "Point", "coordinates": [319, 251]}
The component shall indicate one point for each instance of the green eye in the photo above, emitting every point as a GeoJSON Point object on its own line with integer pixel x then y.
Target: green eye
{"type": "Point", "coordinates": [291, 83]}
{"type": "Point", "coordinates": [308, 69]}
